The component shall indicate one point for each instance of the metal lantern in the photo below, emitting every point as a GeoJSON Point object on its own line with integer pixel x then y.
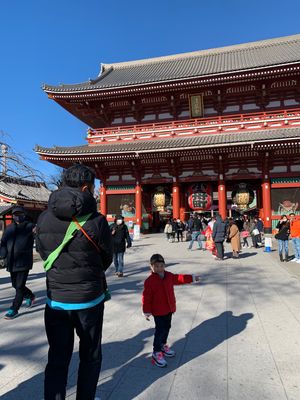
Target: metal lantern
{"type": "Point", "coordinates": [159, 200]}
{"type": "Point", "coordinates": [242, 196]}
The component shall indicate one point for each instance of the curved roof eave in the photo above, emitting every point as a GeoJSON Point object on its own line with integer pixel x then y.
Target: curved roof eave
{"type": "Point", "coordinates": [234, 59]}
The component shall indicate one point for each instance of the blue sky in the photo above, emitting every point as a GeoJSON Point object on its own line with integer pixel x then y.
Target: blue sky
{"type": "Point", "coordinates": [64, 41]}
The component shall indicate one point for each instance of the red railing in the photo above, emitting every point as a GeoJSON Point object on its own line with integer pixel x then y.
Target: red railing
{"type": "Point", "coordinates": [261, 120]}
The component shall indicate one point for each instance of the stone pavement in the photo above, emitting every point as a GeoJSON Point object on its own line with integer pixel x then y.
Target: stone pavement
{"type": "Point", "coordinates": [237, 334]}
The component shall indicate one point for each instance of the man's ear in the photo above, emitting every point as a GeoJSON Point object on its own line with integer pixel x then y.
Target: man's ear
{"type": "Point", "coordinates": [84, 188]}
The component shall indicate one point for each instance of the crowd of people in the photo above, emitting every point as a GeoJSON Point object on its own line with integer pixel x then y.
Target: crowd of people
{"type": "Point", "coordinates": [210, 233]}
{"type": "Point", "coordinates": [77, 246]}
{"type": "Point", "coordinates": [241, 232]}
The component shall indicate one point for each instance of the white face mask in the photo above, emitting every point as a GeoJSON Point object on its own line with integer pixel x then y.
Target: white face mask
{"type": "Point", "coordinates": [119, 221]}
{"type": "Point", "coordinates": [178, 220]}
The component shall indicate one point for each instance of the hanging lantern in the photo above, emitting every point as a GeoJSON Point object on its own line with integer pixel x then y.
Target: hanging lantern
{"type": "Point", "coordinates": [199, 197]}
{"type": "Point", "coordinates": [159, 199]}
{"type": "Point", "coordinates": [242, 196]}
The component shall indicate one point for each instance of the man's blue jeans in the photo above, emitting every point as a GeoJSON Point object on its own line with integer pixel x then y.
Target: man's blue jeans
{"type": "Point", "coordinates": [195, 236]}
{"type": "Point", "coordinates": [296, 244]}
{"type": "Point", "coordinates": [119, 261]}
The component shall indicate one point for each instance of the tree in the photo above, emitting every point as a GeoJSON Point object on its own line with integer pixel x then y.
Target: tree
{"type": "Point", "coordinates": [16, 165]}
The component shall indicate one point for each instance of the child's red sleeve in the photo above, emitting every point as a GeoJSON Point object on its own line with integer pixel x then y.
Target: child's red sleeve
{"type": "Point", "coordinates": [181, 279]}
{"type": "Point", "coordinates": [147, 298]}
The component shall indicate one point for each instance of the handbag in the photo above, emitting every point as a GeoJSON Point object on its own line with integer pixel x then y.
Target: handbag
{"type": "Point", "coordinates": [255, 232]}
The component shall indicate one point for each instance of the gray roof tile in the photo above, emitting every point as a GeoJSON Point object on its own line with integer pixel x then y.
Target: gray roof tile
{"type": "Point", "coordinates": [17, 189]}
{"type": "Point", "coordinates": [227, 59]}
{"type": "Point", "coordinates": [208, 140]}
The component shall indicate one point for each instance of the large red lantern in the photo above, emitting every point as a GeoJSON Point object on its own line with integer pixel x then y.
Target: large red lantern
{"type": "Point", "coordinates": [200, 197]}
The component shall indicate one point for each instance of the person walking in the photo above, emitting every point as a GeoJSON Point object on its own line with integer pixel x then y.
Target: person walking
{"type": "Point", "coordinates": [234, 238]}
{"type": "Point", "coordinates": [245, 231]}
{"type": "Point", "coordinates": [168, 230]}
{"type": "Point", "coordinates": [218, 236]}
{"type": "Point", "coordinates": [179, 228]}
{"type": "Point", "coordinates": [196, 228]}
{"type": "Point", "coordinates": [76, 283]}
{"type": "Point", "coordinates": [256, 228]}
{"type": "Point", "coordinates": [282, 236]}
{"type": "Point", "coordinates": [120, 236]}
{"type": "Point", "coordinates": [295, 236]}
{"type": "Point", "coordinates": [17, 250]}
{"type": "Point", "coordinates": [159, 301]}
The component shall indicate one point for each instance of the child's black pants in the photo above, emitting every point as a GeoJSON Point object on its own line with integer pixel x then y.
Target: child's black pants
{"type": "Point", "coordinates": [162, 329]}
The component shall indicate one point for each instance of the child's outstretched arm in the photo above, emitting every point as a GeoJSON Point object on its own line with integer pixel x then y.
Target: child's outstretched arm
{"type": "Point", "coordinates": [182, 279]}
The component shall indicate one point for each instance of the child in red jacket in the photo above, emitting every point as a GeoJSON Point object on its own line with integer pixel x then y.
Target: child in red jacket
{"type": "Point", "coordinates": [159, 300]}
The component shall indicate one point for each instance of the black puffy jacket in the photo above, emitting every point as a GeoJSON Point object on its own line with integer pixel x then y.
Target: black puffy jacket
{"type": "Point", "coordinates": [120, 236]}
{"type": "Point", "coordinates": [219, 230]}
{"type": "Point", "coordinates": [17, 245]}
{"type": "Point", "coordinates": [78, 274]}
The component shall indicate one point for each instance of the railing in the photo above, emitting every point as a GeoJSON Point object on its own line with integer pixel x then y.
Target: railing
{"type": "Point", "coordinates": [261, 120]}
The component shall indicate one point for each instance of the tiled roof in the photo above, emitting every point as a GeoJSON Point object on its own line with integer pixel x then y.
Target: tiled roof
{"type": "Point", "coordinates": [5, 207]}
{"type": "Point", "coordinates": [21, 190]}
{"type": "Point", "coordinates": [156, 145]}
{"type": "Point", "coordinates": [248, 56]}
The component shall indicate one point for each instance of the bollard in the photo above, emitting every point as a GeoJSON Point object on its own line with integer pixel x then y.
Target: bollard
{"type": "Point", "coordinates": [268, 245]}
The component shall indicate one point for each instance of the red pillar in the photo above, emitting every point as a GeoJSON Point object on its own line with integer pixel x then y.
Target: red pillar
{"type": "Point", "coordinates": [266, 200]}
{"type": "Point", "coordinates": [176, 200]}
{"type": "Point", "coordinates": [182, 208]}
{"type": "Point", "coordinates": [222, 199]}
{"type": "Point", "coordinates": [103, 199]}
{"type": "Point", "coordinates": [138, 204]}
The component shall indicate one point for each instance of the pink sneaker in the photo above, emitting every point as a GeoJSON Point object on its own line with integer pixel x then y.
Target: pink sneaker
{"type": "Point", "coordinates": [167, 351]}
{"type": "Point", "coordinates": [158, 359]}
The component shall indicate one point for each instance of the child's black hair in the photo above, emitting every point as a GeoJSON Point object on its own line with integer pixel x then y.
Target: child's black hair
{"type": "Point", "coordinates": [156, 258]}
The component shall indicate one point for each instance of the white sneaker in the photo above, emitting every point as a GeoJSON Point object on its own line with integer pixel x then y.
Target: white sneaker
{"type": "Point", "coordinates": [298, 261]}
{"type": "Point", "coordinates": [295, 259]}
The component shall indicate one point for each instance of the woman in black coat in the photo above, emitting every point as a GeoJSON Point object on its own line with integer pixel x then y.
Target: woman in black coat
{"type": "Point", "coordinates": [120, 236]}
{"type": "Point", "coordinates": [282, 236]}
{"type": "Point", "coordinates": [17, 249]}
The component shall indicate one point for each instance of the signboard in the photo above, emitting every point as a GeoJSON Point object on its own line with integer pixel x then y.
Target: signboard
{"type": "Point", "coordinates": [196, 105]}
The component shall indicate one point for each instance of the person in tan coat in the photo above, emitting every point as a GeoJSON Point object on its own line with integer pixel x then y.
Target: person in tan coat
{"type": "Point", "coordinates": [234, 237]}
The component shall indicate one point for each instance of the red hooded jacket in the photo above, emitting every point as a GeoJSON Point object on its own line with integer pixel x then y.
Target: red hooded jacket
{"type": "Point", "coordinates": [158, 295]}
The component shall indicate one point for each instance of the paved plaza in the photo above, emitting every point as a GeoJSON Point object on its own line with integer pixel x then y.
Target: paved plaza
{"type": "Point", "coordinates": [237, 334]}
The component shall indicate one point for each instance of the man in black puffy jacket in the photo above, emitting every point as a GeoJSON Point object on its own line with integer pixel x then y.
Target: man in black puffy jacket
{"type": "Point", "coordinates": [76, 283]}
{"type": "Point", "coordinates": [218, 235]}
{"type": "Point", "coordinates": [16, 249]}
{"type": "Point", "coordinates": [120, 236]}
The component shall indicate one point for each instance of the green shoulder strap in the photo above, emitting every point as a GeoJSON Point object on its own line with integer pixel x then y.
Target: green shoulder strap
{"type": "Point", "coordinates": [72, 228]}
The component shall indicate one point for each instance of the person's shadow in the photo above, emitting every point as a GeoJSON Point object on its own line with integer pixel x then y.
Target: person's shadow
{"type": "Point", "coordinates": [200, 340]}
{"type": "Point", "coordinates": [133, 375]}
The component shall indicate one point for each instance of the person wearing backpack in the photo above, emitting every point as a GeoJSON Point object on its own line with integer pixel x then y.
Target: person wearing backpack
{"type": "Point", "coordinates": [76, 283]}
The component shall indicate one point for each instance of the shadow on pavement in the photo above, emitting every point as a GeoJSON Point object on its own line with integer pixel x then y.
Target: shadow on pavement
{"type": "Point", "coordinates": [200, 340]}
{"type": "Point", "coordinates": [116, 353]}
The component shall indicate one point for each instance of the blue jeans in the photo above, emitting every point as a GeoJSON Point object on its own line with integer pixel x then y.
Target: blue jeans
{"type": "Point", "coordinates": [119, 261]}
{"type": "Point", "coordinates": [195, 236]}
{"type": "Point", "coordinates": [283, 244]}
{"type": "Point", "coordinates": [296, 244]}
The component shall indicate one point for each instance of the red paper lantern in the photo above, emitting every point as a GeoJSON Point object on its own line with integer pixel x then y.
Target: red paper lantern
{"type": "Point", "coordinates": [200, 197]}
